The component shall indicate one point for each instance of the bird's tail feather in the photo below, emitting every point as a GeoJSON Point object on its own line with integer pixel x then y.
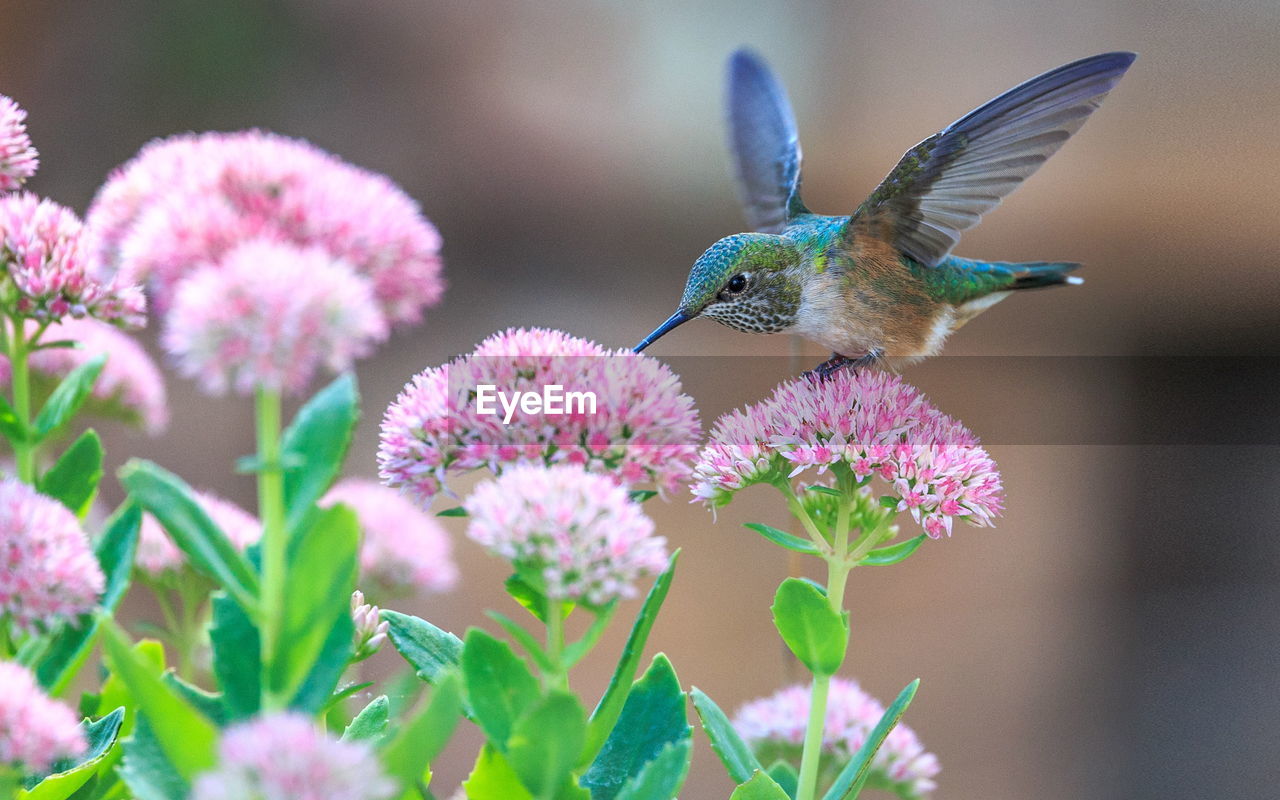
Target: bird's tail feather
{"type": "Point", "coordinates": [1037, 274]}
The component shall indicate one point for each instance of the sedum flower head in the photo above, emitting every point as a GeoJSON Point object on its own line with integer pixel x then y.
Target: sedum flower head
{"type": "Point", "coordinates": [642, 430]}
{"type": "Point", "coordinates": [873, 422]}
{"type": "Point", "coordinates": [186, 201]}
{"type": "Point", "coordinates": [270, 315]}
{"type": "Point", "coordinates": [47, 571]}
{"type": "Point", "coordinates": [404, 548]}
{"type": "Point", "coordinates": [35, 730]}
{"type": "Point", "coordinates": [158, 555]}
{"type": "Point", "coordinates": [774, 727]}
{"type": "Point", "coordinates": [43, 252]}
{"type": "Point", "coordinates": [283, 756]}
{"type": "Point", "coordinates": [575, 533]}
{"type": "Point", "coordinates": [18, 159]}
{"type": "Point", "coordinates": [130, 385]}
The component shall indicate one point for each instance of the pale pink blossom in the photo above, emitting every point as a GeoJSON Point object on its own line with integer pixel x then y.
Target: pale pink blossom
{"type": "Point", "coordinates": [404, 549]}
{"type": "Point", "coordinates": [577, 533]}
{"type": "Point", "coordinates": [158, 555]}
{"type": "Point", "coordinates": [183, 202]}
{"type": "Point", "coordinates": [284, 756]}
{"type": "Point", "coordinates": [270, 315]}
{"type": "Point", "coordinates": [642, 429]}
{"type": "Point", "coordinates": [371, 628]}
{"type": "Point", "coordinates": [774, 727]}
{"type": "Point", "coordinates": [873, 422]}
{"type": "Point", "coordinates": [44, 254]}
{"type": "Point", "coordinates": [47, 570]}
{"type": "Point", "coordinates": [130, 386]}
{"type": "Point", "coordinates": [35, 730]}
{"type": "Point", "coordinates": [18, 159]}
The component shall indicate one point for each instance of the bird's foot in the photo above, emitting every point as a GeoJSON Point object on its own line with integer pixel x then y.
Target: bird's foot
{"type": "Point", "coordinates": [838, 362]}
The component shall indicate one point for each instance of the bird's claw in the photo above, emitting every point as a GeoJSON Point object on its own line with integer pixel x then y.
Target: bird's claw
{"type": "Point", "coordinates": [838, 362]}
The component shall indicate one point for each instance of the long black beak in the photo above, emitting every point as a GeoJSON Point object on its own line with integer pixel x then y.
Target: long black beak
{"type": "Point", "coordinates": [678, 318]}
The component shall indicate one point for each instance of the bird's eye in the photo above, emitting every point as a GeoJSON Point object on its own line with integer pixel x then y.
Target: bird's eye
{"type": "Point", "coordinates": [736, 284]}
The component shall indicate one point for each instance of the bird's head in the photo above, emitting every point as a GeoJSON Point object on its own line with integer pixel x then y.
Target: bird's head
{"type": "Point", "coordinates": [747, 281]}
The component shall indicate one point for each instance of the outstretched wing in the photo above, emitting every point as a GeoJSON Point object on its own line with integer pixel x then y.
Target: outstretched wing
{"type": "Point", "coordinates": [944, 185]}
{"type": "Point", "coordinates": [764, 143]}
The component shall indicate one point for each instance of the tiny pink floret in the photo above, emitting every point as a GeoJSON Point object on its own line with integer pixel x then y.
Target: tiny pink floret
{"type": "Point", "coordinates": [35, 730]}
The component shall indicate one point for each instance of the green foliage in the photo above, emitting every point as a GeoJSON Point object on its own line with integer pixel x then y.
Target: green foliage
{"type": "Point", "coordinates": [13, 428]}
{"type": "Point", "coordinates": [653, 717]}
{"type": "Point", "coordinates": [734, 753]}
{"type": "Point", "coordinates": [662, 777]}
{"type": "Point", "coordinates": [545, 745]}
{"type": "Point", "coordinates": [171, 501]}
{"type": "Point", "coordinates": [785, 776]}
{"type": "Point", "coordinates": [456, 511]}
{"type": "Point", "coordinates": [147, 769]}
{"type": "Point", "coordinates": [816, 634]}
{"type": "Point", "coordinates": [68, 776]}
{"type": "Point", "coordinates": [371, 723]}
{"type": "Point", "coordinates": [534, 601]}
{"type": "Point", "coordinates": [499, 685]}
{"type": "Point", "coordinates": [429, 650]}
{"type": "Point", "coordinates": [783, 539]}
{"type": "Point", "coordinates": [492, 778]}
{"type": "Point", "coordinates": [71, 644]}
{"type": "Point", "coordinates": [615, 695]}
{"type": "Point", "coordinates": [73, 479]}
{"type": "Point", "coordinates": [67, 397]}
{"type": "Point", "coordinates": [760, 787]}
{"type": "Point", "coordinates": [237, 657]}
{"type": "Point", "coordinates": [407, 756]}
{"type": "Point", "coordinates": [854, 775]}
{"type": "Point", "coordinates": [318, 440]}
{"type": "Point", "coordinates": [892, 554]}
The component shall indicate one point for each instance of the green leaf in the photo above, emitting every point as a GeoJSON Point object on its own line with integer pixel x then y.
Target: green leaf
{"type": "Point", "coordinates": [171, 501]}
{"type": "Point", "coordinates": [429, 650]}
{"type": "Point", "coordinates": [641, 495]}
{"type": "Point", "coordinates": [323, 564]}
{"type": "Point", "coordinates": [662, 777]}
{"type": "Point", "coordinates": [12, 427]}
{"type": "Point", "coordinates": [147, 770]}
{"type": "Point", "coordinates": [783, 538]}
{"type": "Point", "coordinates": [499, 685]}
{"type": "Point", "coordinates": [611, 703]}
{"type": "Point", "coordinates": [579, 649]}
{"type": "Point", "coordinates": [71, 646]}
{"type": "Point", "coordinates": [186, 736]}
{"type": "Point", "coordinates": [785, 776]}
{"type": "Point", "coordinates": [319, 435]}
{"type": "Point", "coordinates": [492, 778]}
{"type": "Point", "coordinates": [456, 511]}
{"type": "Point", "coordinates": [317, 689]}
{"type": "Point", "coordinates": [824, 490]}
{"type": "Point", "coordinates": [816, 633]}
{"type": "Point", "coordinates": [525, 639]}
{"type": "Point", "coordinates": [653, 717]}
{"type": "Point", "coordinates": [760, 787]}
{"type": "Point", "coordinates": [236, 657]}
{"type": "Point", "coordinates": [371, 723]}
{"type": "Point", "coordinates": [207, 703]}
{"type": "Point", "coordinates": [892, 554]}
{"type": "Point", "coordinates": [533, 600]}
{"type": "Point", "coordinates": [408, 755]}
{"type": "Point", "coordinates": [546, 742]}
{"type": "Point", "coordinates": [73, 479]}
{"type": "Point", "coordinates": [67, 398]}
{"type": "Point", "coordinates": [734, 753]}
{"type": "Point", "coordinates": [67, 776]}
{"type": "Point", "coordinates": [854, 775]}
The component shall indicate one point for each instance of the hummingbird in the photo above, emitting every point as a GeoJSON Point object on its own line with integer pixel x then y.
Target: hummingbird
{"type": "Point", "coordinates": [881, 283]}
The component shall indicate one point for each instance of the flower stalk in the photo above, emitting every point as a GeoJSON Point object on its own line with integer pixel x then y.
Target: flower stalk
{"type": "Point", "coordinates": [274, 537]}
{"type": "Point", "coordinates": [24, 450]}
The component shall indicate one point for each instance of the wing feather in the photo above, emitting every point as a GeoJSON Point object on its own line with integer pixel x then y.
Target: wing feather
{"type": "Point", "coordinates": [764, 143]}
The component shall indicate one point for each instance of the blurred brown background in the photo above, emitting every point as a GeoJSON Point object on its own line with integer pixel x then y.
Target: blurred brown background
{"type": "Point", "coordinates": [1116, 636]}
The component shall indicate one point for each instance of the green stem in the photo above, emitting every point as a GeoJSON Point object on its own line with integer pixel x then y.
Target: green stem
{"type": "Point", "coordinates": [274, 538]}
{"type": "Point", "coordinates": [10, 783]}
{"type": "Point", "coordinates": [24, 452]}
{"type": "Point", "coordinates": [559, 679]}
{"type": "Point", "coordinates": [6, 640]}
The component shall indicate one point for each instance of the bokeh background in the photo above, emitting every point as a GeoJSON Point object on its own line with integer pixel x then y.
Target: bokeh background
{"type": "Point", "coordinates": [1117, 635]}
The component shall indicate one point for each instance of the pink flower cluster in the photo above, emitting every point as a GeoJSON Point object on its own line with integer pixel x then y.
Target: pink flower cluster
{"type": "Point", "coordinates": [35, 731]}
{"type": "Point", "coordinates": [130, 385]}
{"type": "Point", "coordinates": [576, 532]}
{"type": "Point", "coordinates": [874, 423]}
{"type": "Point", "coordinates": [158, 555]}
{"type": "Point", "coordinates": [642, 428]}
{"type": "Point", "coordinates": [47, 571]}
{"type": "Point", "coordinates": [18, 159]}
{"type": "Point", "coordinates": [778, 722]}
{"type": "Point", "coordinates": [283, 756]}
{"type": "Point", "coordinates": [43, 251]}
{"type": "Point", "coordinates": [269, 314]}
{"type": "Point", "coordinates": [371, 628]}
{"type": "Point", "coordinates": [404, 549]}
{"type": "Point", "coordinates": [186, 201]}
